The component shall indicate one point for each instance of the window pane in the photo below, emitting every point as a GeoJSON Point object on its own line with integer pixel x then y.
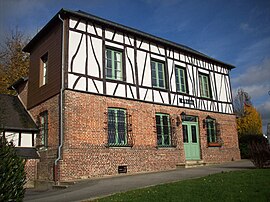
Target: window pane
{"type": "Point", "coordinates": [157, 119]}
{"type": "Point", "coordinates": [185, 134]}
{"type": "Point", "coordinates": [114, 64]}
{"type": "Point", "coordinates": [111, 126]}
{"type": "Point", "coordinates": [166, 140]}
{"type": "Point", "coordinates": [194, 134]}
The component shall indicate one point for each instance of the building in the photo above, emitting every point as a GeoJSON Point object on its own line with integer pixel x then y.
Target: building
{"type": "Point", "coordinates": [17, 126]}
{"type": "Point", "coordinates": [113, 99]}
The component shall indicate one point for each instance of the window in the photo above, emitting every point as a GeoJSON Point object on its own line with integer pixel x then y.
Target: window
{"type": "Point", "coordinates": [114, 65]}
{"type": "Point", "coordinates": [204, 86]}
{"type": "Point", "coordinates": [44, 128]}
{"type": "Point", "coordinates": [211, 130]}
{"type": "Point", "coordinates": [181, 81]}
{"type": "Point", "coordinates": [44, 70]}
{"type": "Point", "coordinates": [117, 127]}
{"type": "Point", "coordinates": [163, 130]}
{"type": "Point", "coordinates": [158, 74]}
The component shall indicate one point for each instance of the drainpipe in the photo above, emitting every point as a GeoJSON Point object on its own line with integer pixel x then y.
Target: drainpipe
{"type": "Point", "coordinates": [56, 162]}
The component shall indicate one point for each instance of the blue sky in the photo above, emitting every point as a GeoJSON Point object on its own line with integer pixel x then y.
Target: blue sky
{"type": "Point", "coordinates": [233, 31]}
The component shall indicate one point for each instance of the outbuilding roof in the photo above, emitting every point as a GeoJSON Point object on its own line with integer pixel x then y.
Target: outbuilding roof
{"type": "Point", "coordinates": [13, 115]}
{"type": "Point", "coordinates": [107, 23]}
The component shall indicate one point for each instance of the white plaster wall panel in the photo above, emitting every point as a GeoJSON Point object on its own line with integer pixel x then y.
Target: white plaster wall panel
{"type": "Point", "coordinates": [111, 44]}
{"type": "Point", "coordinates": [81, 26]}
{"type": "Point", "coordinates": [170, 52]}
{"type": "Point", "coordinates": [143, 58]}
{"type": "Point", "coordinates": [99, 85]}
{"type": "Point", "coordinates": [130, 66]}
{"type": "Point", "coordinates": [213, 85]}
{"type": "Point", "coordinates": [157, 97]}
{"type": "Point", "coordinates": [174, 98]}
{"type": "Point", "coordinates": [201, 70]}
{"type": "Point", "coordinates": [118, 37]}
{"type": "Point", "coordinates": [77, 52]}
{"type": "Point", "coordinates": [171, 72]}
{"type": "Point", "coordinates": [26, 140]}
{"type": "Point", "coordinates": [109, 34]}
{"type": "Point", "coordinates": [91, 86]}
{"type": "Point", "coordinates": [94, 29]}
{"type": "Point", "coordinates": [110, 87]}
{"type": "Point", "coordinates": [146, 94]}
{"type": "Point", "coordinates": [121, 91]}
{"type": "Point", "coordinates": [131, 92]}
{"type": "Point", "coordinates": [176, 55]}
{"type": "Point", "coordinates": [221, 90]}
{"type": "Point", "coordinates": [182, 57]}
{"type": "Point", "coordinates": [99, 30]}
{"type": "Point", "coordinates": [161, 58]}
{"type": "Point", "coordinates": [155, 49]}
{"type": "Point", "coordinates": [94, 56]}
{"type": "Point", "coordinates": [162, 50]}
{"type": "Point", "coordinates": [72, 23]}
{"type": "Point", "coordinates": [71, 80]}
{"type": "Point", "coordinates": [74, 40]}
{"type": "Point", "coordinates": [129, 40]}
{"type": "Point", "coordinates": [181, 64]}
{"type": "Point", "coordinates": [143, 45]}
{"type": "Point", "coordinates": [165, 97]}
{"type": "Point", "coordinates": [81, 84]}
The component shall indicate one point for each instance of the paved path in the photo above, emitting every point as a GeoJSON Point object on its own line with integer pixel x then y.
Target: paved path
{"type": "Point", "coordinates": [89, 189]}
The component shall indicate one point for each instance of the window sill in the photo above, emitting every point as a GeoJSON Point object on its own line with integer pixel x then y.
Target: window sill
{"type": "Point", "coordinates": [214, 144]}
{"type": "Point", "coordinates": [118, 146]}
{"type": "Point", "coordinates": [165, 147]}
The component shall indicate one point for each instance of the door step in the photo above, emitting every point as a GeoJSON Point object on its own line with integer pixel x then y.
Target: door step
{"type": "Point", "coordinates": [191, 164]}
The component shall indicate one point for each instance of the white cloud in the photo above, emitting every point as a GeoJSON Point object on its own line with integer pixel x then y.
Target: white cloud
{"type": "Point", "coordinates": [264, 110]}
{"type": "Point", "coordinates": [246, 27]}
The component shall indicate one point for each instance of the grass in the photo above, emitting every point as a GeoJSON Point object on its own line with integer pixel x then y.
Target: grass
{"type": "Point", "coordinates": [248, 185]}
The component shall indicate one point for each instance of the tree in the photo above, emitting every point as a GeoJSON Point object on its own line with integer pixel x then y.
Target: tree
{"type": "Point", "coordinates": [241, 99]}
{"type": "Point", "coordinates": [14, 63]}
{"type": "Point", "coordinates": [12, 174]}
{"type": "Point", "coordinates": [249, 121]}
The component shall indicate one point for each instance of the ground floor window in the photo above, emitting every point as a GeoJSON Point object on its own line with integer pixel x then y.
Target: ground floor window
{"type": "Point", "coordinates": [211, 129]}
{"type": "Point", "coordinates": [163, 129]}
{"type": "Point", "coordinates": [44, 128]}
{"type": "Point", "coordinates": [117, 127]}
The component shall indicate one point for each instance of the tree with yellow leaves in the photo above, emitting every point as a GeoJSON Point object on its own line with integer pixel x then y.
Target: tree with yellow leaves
{"type": "Point", "coordinates": [249, 121]}
{"type": "Point", "coordinates": [14, 63]}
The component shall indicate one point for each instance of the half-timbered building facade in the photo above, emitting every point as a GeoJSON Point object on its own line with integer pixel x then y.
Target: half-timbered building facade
{"type": "Point", "coordinates": [115, 99]}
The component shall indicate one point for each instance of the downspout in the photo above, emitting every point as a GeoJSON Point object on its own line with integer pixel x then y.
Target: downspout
{"type": "Point", "coordinates": [59, 154]}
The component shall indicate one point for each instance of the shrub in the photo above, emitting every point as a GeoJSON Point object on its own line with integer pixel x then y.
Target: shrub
{"type": "Point", "coordinates": [259, 153]}
{"type": "Point", "coordinates": [12, 174]}
{"type": "Point", "coordinates": [245, 141]}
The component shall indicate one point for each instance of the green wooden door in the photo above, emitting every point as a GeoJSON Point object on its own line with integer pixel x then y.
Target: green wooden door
{"type": "Point", "coordinates": [191, 140]}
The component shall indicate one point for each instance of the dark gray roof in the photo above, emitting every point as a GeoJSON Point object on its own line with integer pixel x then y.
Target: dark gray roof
{"type": "Point", "coordinates": [27, 152]}
{"type": "Point", "coordinates": [13, 115]}
{"type": "Point", "coordinates": [108, 23]}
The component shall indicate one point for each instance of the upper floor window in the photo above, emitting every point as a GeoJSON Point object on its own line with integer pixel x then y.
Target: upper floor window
{"type": "Point", "coordinates": [44, 128]}
{"type": "Point", "coordinates": [44, 69]}
{"type": "Point", "coordinates": [204, 85]}
{"type": "Point", "coordinates": [117, 127]}
{"type": "Point", "coordinates": [181, 80]}
{"type": "Point", "coordinates": [163, 129]}
{"type": "Point", "coordinates": [158, 74]}
{"type": "Point", "coordinates": [114, 64]}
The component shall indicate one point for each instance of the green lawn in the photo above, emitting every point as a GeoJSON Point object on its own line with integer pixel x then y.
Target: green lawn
{"type": "Point", "coordinates": [248, 185]}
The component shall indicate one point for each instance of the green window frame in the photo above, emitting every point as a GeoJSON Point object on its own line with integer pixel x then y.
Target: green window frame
{"type": "Point", "coordinates": [114, 64]}
{"type": "Point", "coordinates": [44, 128]}
{"type": "Point", "coordinates": [211, 130]}
{"type": "Point", "coordinates": [163, 128]}
{"type": "Point", "coordinates": [117, 127]}
{"type": "Point", "coordinates": [158, 74]}
{"type": "Point", "coordinates": [204, 86]}
{"type": "Point", "coordinates": [181, 80]}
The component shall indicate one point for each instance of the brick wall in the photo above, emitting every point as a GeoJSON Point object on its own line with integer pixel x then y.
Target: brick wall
{"type": "Point", "coordinates": [31, 172]}
{"type": "Point", "coordinates": [49, 154]}
{"type": "Point", "coordinates": [85, 153]}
